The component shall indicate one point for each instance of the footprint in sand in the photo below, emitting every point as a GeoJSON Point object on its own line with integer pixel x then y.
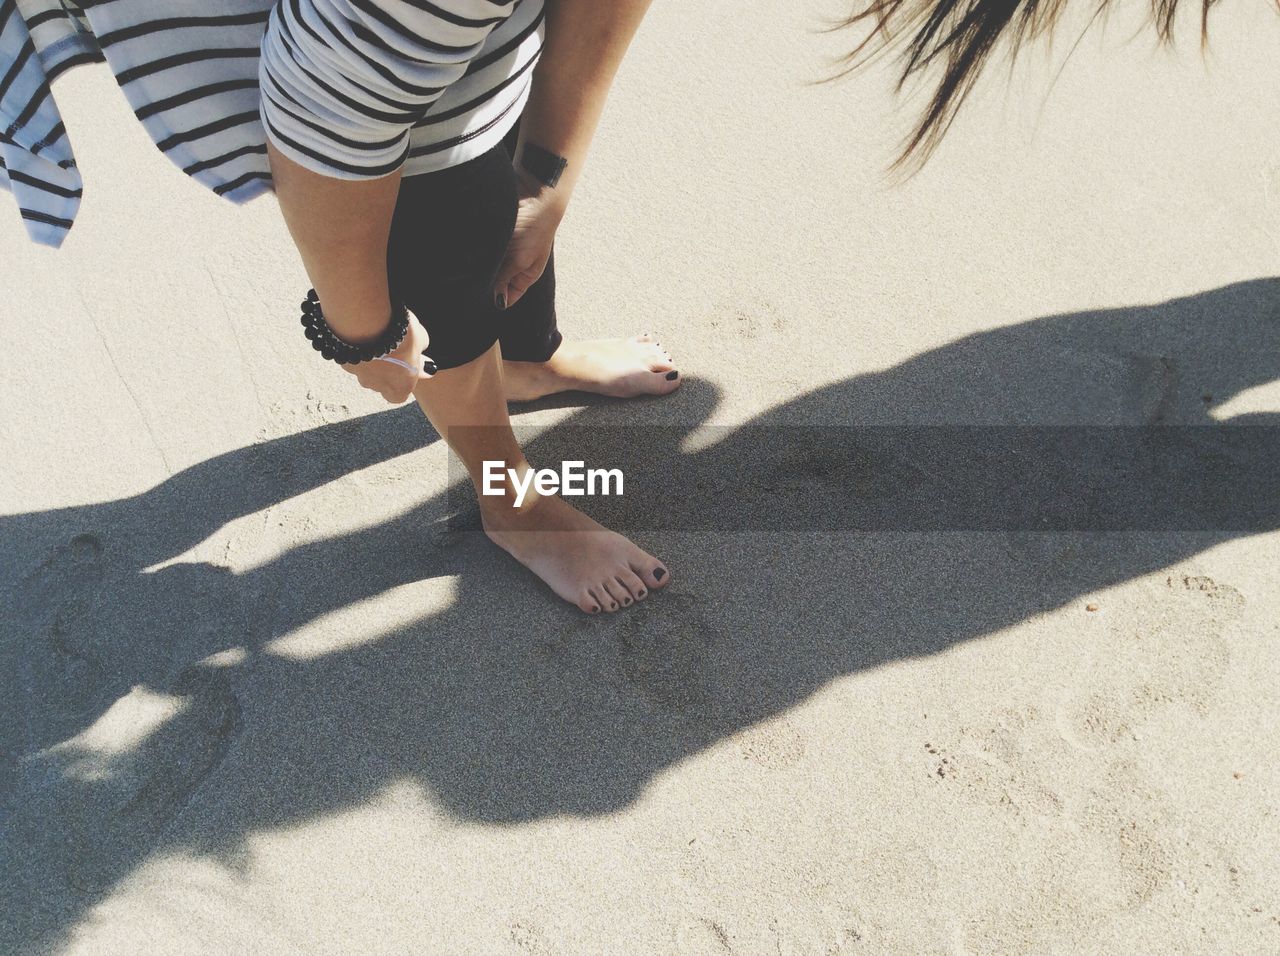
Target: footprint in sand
{"type": "Point", "coordinates": [60, 593]}
{"type": "Point", "coordinates": [1176, 641]}
{"type": "Point", "coordinates": [999, 763]}
{"type": "Point", "coordinates": [1167, 649]}
{"type": "Point", "coordinates": [839, 894]}
{"type": "Point", "coordinates": [1113, 862]}
{"type": "Point", "coordinates": [673, 667]}
{"type": "Point", "coordinates": [1122, 818]}
{"type": "Point", "coordinates": [143, 790]}
{"type": "Point", "coordinates": [55, 608]}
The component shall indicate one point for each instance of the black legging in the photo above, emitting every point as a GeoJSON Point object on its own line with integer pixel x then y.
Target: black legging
{"type": "Point", "coordinates": [448, 235]}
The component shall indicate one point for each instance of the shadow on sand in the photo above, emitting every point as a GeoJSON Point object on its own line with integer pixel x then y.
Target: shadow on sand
{"type": "Point", "coordinates": [508, 707]}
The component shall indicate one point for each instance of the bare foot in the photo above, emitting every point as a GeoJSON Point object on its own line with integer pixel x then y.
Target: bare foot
{"type": "Point", "coordinates": [582, 561]}
{"type": "Point", "coordinates": [622, 368]}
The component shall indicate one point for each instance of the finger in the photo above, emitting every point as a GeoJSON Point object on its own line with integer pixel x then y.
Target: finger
{"type": "Point", "coordinates": [420, 331]}
{"type": "Point", "coordinates": [502, 284]}
{"type": "Point", "coordinates": [519, 285]}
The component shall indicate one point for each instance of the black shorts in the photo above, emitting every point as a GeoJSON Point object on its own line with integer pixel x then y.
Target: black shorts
{"type": "Point", "coordinates": [448, 235]}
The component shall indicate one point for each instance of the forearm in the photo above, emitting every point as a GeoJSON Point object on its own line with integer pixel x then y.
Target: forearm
{"type": "Point", "coordinates": [585, 43]}
{"type": "Point", "coordinates": [340, 227]}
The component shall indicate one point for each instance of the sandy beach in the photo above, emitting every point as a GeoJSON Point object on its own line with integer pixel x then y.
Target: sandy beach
{"type": "Point", "coordinates": [265, 689]}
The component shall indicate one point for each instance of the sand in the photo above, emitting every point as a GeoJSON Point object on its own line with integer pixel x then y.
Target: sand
{"type": "Point", "coordinates": [264, 691]}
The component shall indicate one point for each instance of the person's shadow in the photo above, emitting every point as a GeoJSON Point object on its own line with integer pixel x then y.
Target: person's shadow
{"type": "Point", "coordinates": [506, 706]}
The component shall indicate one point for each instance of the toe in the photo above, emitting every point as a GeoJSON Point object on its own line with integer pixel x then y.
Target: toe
{"type": "Point", "coordinates": [668, 380]}
{"type": "Point", "coordinates": [588, 603]}
{"type": "Point", "coordinates": [617, 595]}
{"type": "Point", "coordinates": [603, 598]}
{"type": "Point", "coordinates": [657, 383]}
{"type": "Point", "coordinates": [631, 581]}
{"type": "Point", "coordinates": [652, 572]}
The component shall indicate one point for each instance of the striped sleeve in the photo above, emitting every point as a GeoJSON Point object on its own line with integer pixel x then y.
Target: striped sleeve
{"type": "Point", "coordinates": [343, 82]}
{"type": "Point", "coordinates": [36, 161]}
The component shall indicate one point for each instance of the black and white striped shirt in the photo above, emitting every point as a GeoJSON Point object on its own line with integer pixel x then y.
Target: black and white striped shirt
{"type": "Point", "coordinates": [347, 88]}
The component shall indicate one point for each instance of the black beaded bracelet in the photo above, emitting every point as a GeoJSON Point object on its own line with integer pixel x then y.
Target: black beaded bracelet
{"type": "Point", "coordinates": [333, 348]}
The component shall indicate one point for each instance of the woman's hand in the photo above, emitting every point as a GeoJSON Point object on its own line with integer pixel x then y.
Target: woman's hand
{"type": "Point", "coordinates": [537, 218]}
{"type": "Point", "coordinates": [584, 45]}
{"type": "Point", "coordinates": [395, 375]}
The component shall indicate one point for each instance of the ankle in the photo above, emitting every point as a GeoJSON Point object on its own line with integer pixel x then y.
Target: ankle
{"type": "Point", "coordinates": [535, 372]}
{"type": "Point", "coordinates": [530, 380]}
{"type": "Point", "coordinates": [505, 488]}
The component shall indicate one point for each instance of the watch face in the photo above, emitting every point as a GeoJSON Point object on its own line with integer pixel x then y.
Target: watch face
{"type": "Point", "coordinates": [542, 164]}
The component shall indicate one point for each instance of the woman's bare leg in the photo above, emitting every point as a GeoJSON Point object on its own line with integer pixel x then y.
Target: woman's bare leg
{"type": "Point", "coordinates": [583, 562]}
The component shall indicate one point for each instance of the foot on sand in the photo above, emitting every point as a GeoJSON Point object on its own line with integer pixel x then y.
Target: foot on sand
{"type": "Point", "coordinates": [621, 368]}
{"type": "Point", "coordinates": [583, 562]}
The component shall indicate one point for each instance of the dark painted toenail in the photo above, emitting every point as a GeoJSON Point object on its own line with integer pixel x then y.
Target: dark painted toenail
{"type": "Point", "coordinates": [658, 573]}
{"type": "Point", "coordinates": [672, 376]}
{"type": "Point", "coordinates": [595, 609]}
{"type": "Point", "coordinates": [626, 601]}
{"type": "Point", "coordinates": [429, 367]}
{"type": "Point", "coordinates": [640, 594]}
